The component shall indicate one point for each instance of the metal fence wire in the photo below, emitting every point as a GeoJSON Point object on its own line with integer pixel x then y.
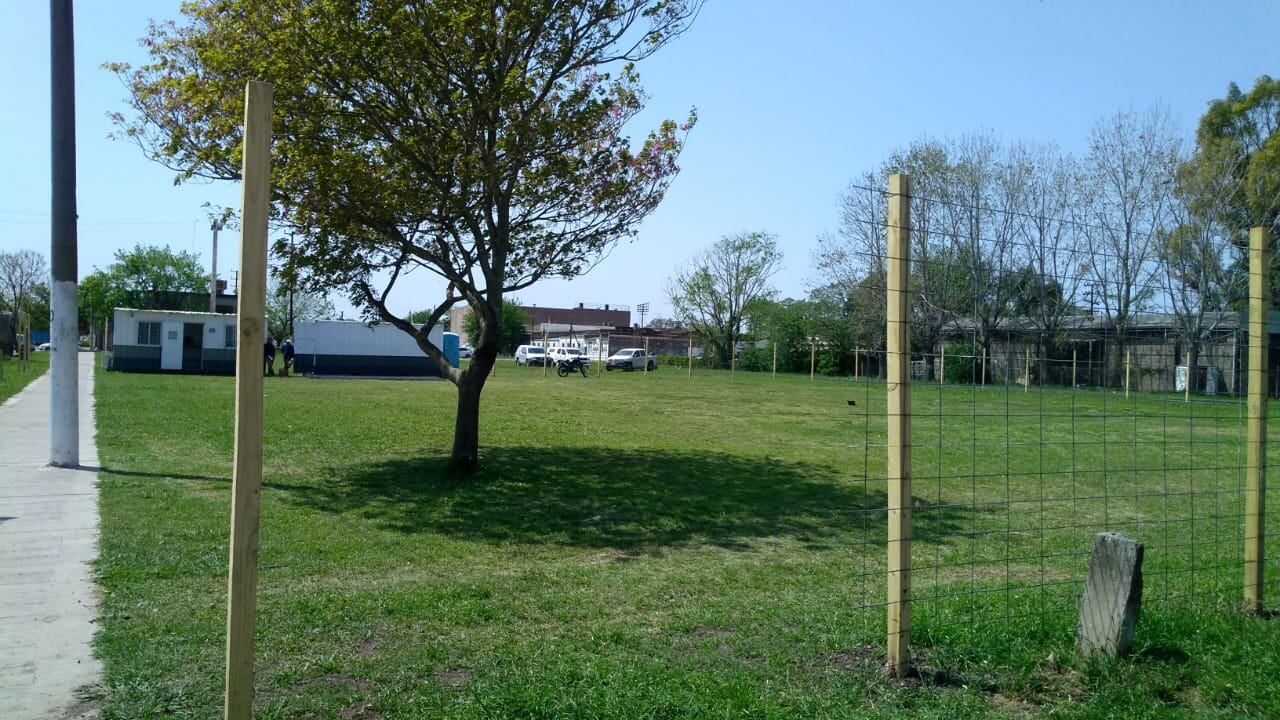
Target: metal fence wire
{"type": "Point", "coordinates": [1036, 380]}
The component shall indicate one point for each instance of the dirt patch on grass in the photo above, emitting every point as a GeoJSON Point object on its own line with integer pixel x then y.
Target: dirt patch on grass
{"type": "Point", "coordinates": [353, 684]}
{"type": "Point", "coordinates": [452, 678]}
{"type": "Point", "coordinates": [368, 646]}
{"type": "Point", "coordinates": [861, 660]}
{"type": "Point", "coordinates": [1049, 683]}
{"type": "Point", "coordinates": [359, 711]}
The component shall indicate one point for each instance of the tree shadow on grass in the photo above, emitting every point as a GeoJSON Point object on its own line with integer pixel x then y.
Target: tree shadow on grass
{"type": "Point", "coordinates": [630, 500]}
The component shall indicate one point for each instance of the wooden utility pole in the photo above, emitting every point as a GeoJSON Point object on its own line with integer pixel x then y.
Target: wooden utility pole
{"type": "Point", "coordinates": [1255, 487]}
{"type": "Point", "coordinates": [64, 326]}
{"type": "Point", "coordinates": [691, 356]}
{"type": "Point", "coordinates": [813, 356]}
{"type": "Point", "coordinates": [775, 361]}
{"type": "Point", "coordinates": [898, 334]}
{"type": "Point", "coordinates": [246, 480]}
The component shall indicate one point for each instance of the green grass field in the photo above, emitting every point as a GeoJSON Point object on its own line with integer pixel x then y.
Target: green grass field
{"type": "Point", "coordinates": [13, 379]}
{"type": "Point", "coordinates": [667, 547]}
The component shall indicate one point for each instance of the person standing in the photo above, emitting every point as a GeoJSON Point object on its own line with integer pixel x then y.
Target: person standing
{"type": "Point", "coordinates": [268, 356]}
{"type": "Point", "coordinates": [287, 351]}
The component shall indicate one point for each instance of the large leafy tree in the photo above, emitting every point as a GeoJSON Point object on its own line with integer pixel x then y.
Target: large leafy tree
{"type": "Point", "coordinates": [1240, 134]}
{"type": "Point", "coordinates": [479, 141]}
{"type": "Point", "coordinates": [715, 292]}
{"type": "Point", "coordinates": [146, 277]}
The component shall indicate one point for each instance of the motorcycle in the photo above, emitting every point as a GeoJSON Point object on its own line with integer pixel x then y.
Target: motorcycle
{"type": "Point", "coordinates": [564, 368]}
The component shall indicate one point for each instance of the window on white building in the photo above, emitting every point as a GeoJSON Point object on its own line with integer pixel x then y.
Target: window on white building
{"type": "Point", "coordinates": [148, 333]}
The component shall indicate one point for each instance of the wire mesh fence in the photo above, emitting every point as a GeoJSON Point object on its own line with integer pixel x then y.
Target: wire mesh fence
{"type": "Point", "coordinates": [1053, 389]}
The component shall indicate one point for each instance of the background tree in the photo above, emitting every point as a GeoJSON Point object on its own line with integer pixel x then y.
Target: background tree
{"type": "Point", "coordinates": [714, 293]}
{"type": "Point", "coordinates": [306, 305]}
{"type": "Point", "coordinates": [1204, 269]}
{"type": "Point", "coordinates": [1129, 171]}
{"type": "Point", "coordinates": [22, 272]}
{"type": "Point", "coordinates": [785, 322]}
{"type": "Point", "coordinates": [482, 143]}
{"type": "Point", "coordinates": [1240, 134]}
{"type": "Point", "coordinates": [514, 326]}
{"type": "Point", "coordinates": [1049, 282]}
{"type": "Point", "coordinates": [147, 278]}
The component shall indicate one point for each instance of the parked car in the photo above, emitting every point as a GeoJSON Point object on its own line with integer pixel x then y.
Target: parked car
{"type": "Point", "coordinates": [556, 354]}
{"type": "Point", "coordinates": [530, 355]}
{"type": "Point", "coordinates": [630, 359]}
{"type": "Point", "coordinates": [42, 346]}
{"type": "Point", "coordinates": [465, 351]}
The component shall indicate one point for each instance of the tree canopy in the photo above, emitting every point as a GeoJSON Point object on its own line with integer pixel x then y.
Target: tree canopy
{"type": "Point", "coordinates": [146, 277]}
{"type": "Point", "coordinates": [715, 292]}
{"type": "Point", "coordinates": [482, 143]}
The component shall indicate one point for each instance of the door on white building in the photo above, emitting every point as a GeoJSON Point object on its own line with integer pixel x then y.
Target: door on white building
{"type": "Point", "coordinates": [171, 345]}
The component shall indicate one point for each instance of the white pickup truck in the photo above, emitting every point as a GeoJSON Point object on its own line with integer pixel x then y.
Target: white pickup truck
{"type": "Point", "coordinates": [630, 359]}
{"type": "Point", "coordinates": [556, 354]}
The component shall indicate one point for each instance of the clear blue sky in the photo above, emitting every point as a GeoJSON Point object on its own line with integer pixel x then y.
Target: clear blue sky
{"type": "Point", "coordinates": [795, 99]}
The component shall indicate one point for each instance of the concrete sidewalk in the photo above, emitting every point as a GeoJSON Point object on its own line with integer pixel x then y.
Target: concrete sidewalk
{"type": "Point", "coordinates": [48, 537]}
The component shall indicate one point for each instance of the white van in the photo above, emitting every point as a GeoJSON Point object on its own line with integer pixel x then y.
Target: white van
{"type": "Point", "coordinates": [531, 355]}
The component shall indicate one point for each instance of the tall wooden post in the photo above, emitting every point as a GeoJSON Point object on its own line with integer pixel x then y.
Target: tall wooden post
{"type": "Point", "coordinates": [942, 366]}
{"type": "Point", "coordinates": [775, 361]}
{"type": "Point", "coordinates": [1255, 487]}
{"type": "Point", "coordinates": [898, 334]}
{"type": "Point", "coordinates": [813, 355]}
{"type": "Point", "coordinates": [604, 360]}
{"type": "Point", "coordinates": [856, 358]}
{"type": "Point", "coordinates": [1128, 363]}
{"type": "Point", "coordinates": [246, 481]}
{"type": "Point", "coordinates": [984, 367]}
{"type": "Point", "coordinates": [1073, 368]}
{"type": "Point", "coordinates": [690, 356]}
{"type": "Point", "coordinates": [733, 360]}
{"type": "Point", "coordinates": [544, 351]}
{"type": "Point", "coordinates": [646, 357]}
{"type": "Point", "coordinates": [1026, 373]}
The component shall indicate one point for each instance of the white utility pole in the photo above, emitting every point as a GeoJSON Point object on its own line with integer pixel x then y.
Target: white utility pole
{"type": "Point", "coordinates": [64, 325]}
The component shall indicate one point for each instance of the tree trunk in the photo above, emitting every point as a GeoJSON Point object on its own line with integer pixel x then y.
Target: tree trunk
{"type": "Point", "coordinates": [466, 427]}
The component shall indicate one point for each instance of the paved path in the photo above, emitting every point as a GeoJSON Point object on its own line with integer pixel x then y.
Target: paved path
{"type": "Point", "coordinates": [48, 537]}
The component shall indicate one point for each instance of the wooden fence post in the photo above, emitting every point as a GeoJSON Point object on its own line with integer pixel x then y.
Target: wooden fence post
{"type": "Point", "coordinates": [544, 351]}
{"type": "Point", "coordinates": [603, 360]}
{"type": "Point", "coordinates": [775, 360]}
{"type": "Point", "coordinates": [813, 355]}
{"type": "Point", "coordinates": [246, 480]}
{"type": "Point", "coordinates": [646, 357]}
{"type": "Point", "coordinates": [942, 366]}
{"type": "Point", "coordinates": [733, 360]}
{"type": "Point", "coordinates": [855, 364]}
{"type": "Point", "coordinates": [691, 356]}
{"type": "Point", "coordinates": [898, 334]}
{"type": "Point", "coordinates": [1128, 360]}
{"type": "Point", "coordinates": [1073, 368]}
{"type": "Point", "coordinates": [1026, 372]}
{"type": "Point", "coordinates": [1256, 452]}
